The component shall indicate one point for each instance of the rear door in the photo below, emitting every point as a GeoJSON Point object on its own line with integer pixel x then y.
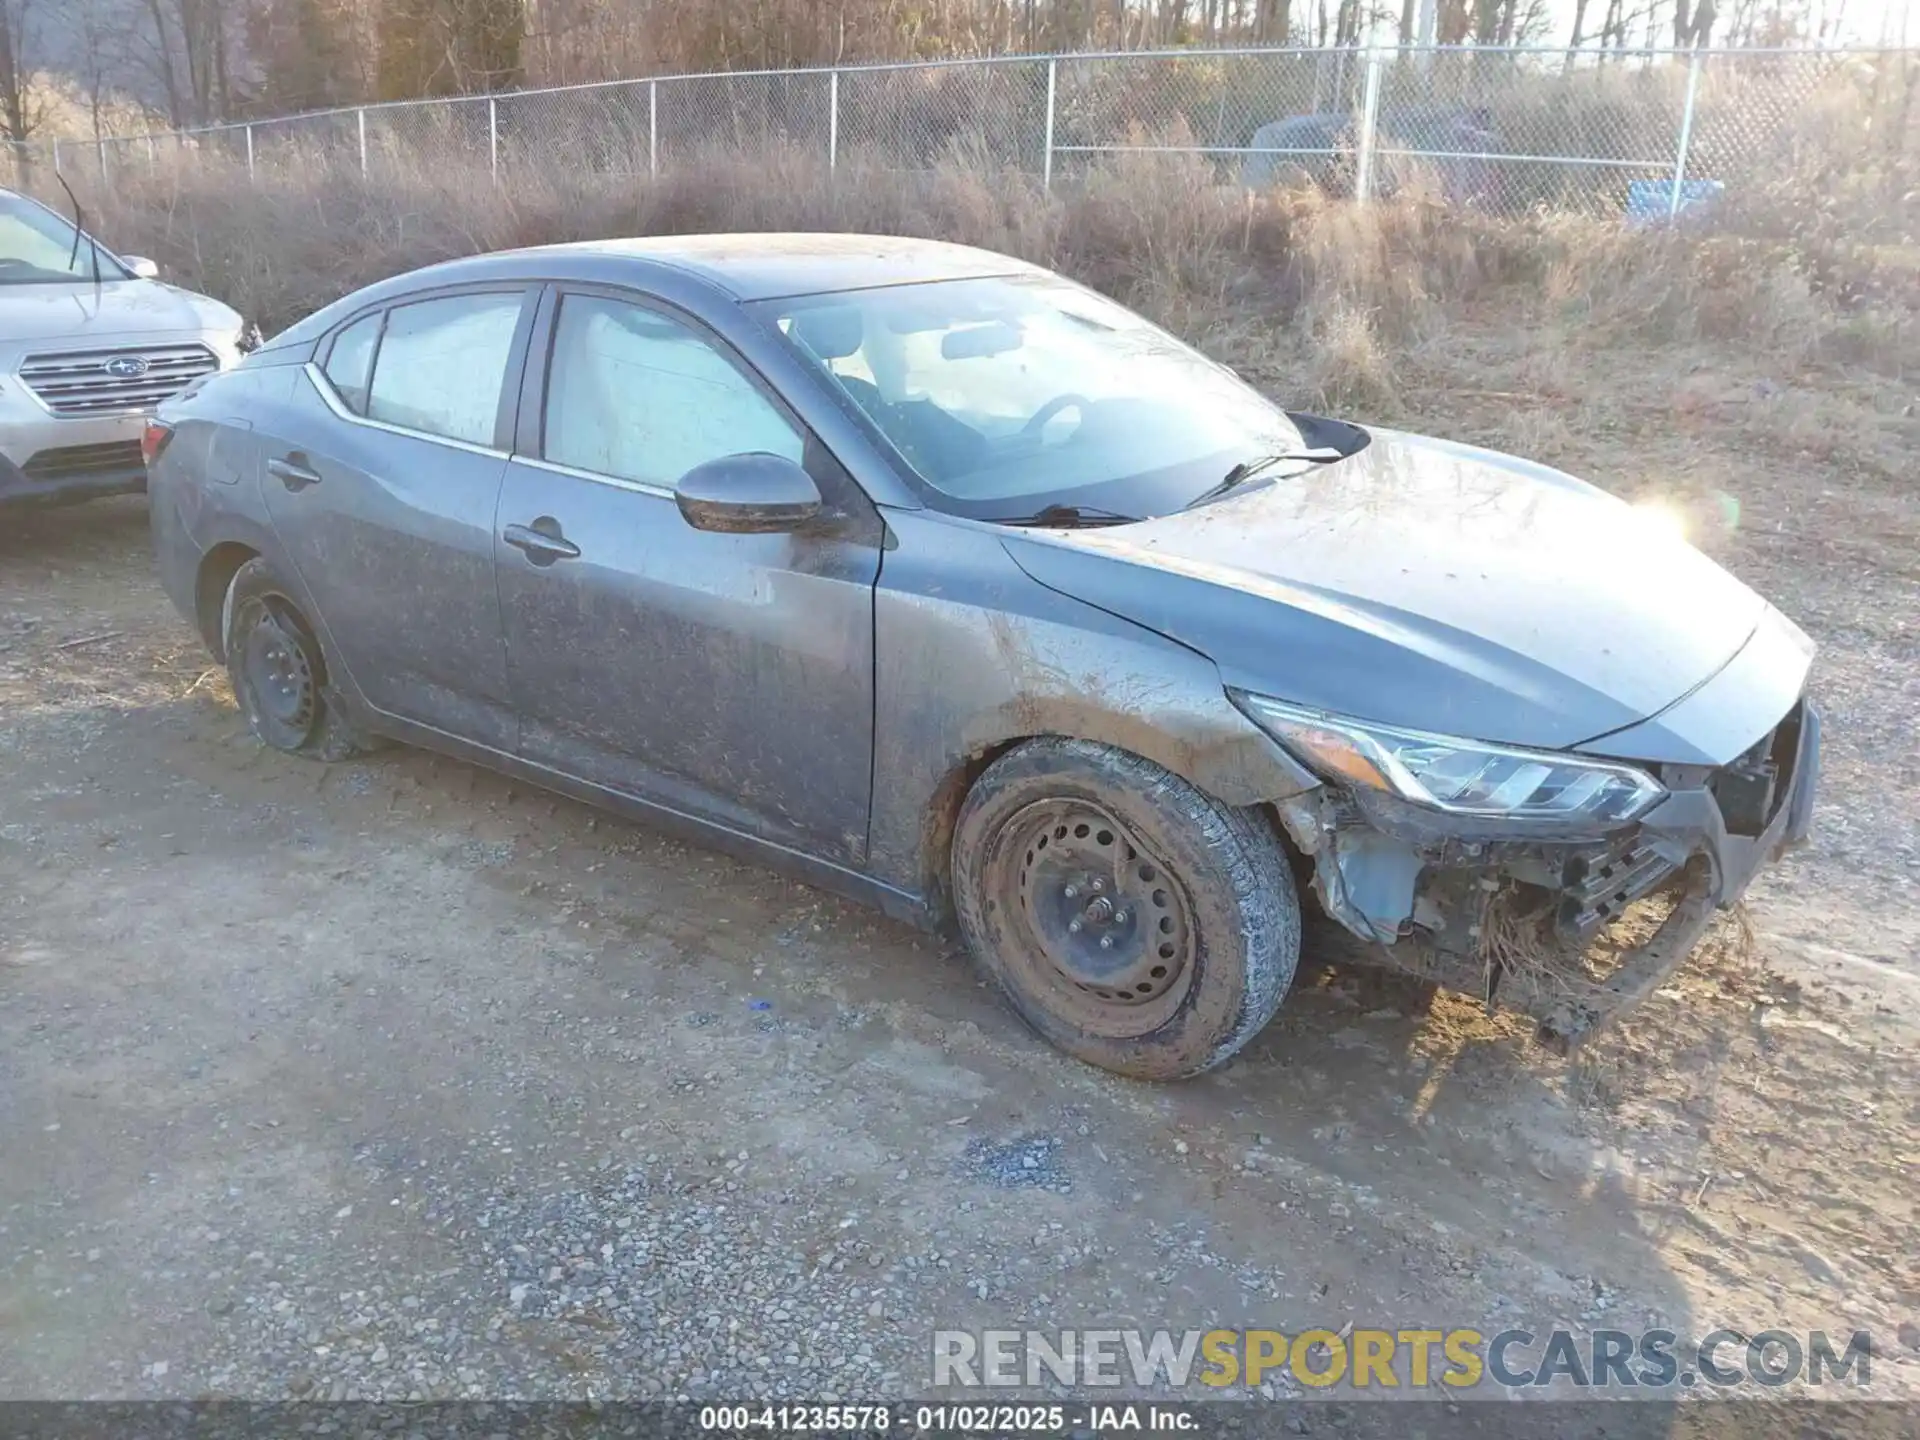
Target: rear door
{"type": "Point", "coordinates": [726, 676]}
{"type": "Point", "coordinates": [383, 488]}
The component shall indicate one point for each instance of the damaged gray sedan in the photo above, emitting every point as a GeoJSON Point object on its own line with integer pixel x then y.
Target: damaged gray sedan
{"type": "Point", "coordinates": [936, 579]}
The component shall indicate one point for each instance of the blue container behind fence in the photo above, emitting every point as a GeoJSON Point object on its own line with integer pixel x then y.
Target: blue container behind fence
{"type": "Point", "coordinates": [1649, 200]}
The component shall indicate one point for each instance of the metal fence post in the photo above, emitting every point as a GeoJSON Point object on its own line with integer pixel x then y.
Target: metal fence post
{"type": "Point", "coordinates": [1369, 120]}
{"type": "Point", "coordinates": [833, 119]}
{"type": "Point", "coordinates": [361, 115]}
{"type": "Point", "coordinates": [56, 157]}
{"type": "Point", "coordinates": [1694, 62]}
{"type": "Point", "coordinates": [1046, 158]}
{"type": "Point", "coordinates": [101, 146]}
{"type": "Point", "coordinates": [250, 152]}
{"type": "Point", "coordinates": [493, 137]}
{"type": "Point", "coordinates": [152, 165]}
{"type": "Point", "coordinates": [653, 127]}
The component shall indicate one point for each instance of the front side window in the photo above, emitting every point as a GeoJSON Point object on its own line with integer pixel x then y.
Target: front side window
{"type": "Point", "coordinates": [637, 395]}
{"type": "Point", "coordinates": [350, 363]}
{"type": "Point", "coordinates": [37, 247]}
{"type": "Point", "coordinates": [1009, 394]}
{"type": "Point", "coordinates": [441, 364]}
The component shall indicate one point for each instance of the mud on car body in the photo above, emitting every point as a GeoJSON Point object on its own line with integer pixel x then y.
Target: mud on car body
{"type": "Point", "coordinates": [931, 577]}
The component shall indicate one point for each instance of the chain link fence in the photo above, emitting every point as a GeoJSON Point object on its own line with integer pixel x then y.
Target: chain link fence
{"type": "Point", "coordinates": [1644, 133]}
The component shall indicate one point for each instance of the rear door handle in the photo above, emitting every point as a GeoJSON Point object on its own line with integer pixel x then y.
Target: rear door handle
{"type": "Point", "coordinates": [293, 472]}
{"type": "Point", "coordinates": [541, 542]}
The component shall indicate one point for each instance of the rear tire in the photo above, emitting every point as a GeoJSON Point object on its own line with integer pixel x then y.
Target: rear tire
{"type": "Point", "coordinates": [278, 671]}
{"type": "Point", "coordinates": [1133, 921]}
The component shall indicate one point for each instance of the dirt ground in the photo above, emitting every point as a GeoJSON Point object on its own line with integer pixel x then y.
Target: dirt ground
{"type": "Point", "coordinates": [396, 1078]}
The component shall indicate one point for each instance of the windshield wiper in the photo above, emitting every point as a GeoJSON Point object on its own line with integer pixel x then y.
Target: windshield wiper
{"type": "Point", "coordinates": [1066, 517]}
{"type": "Point", "coordinates": [1247, 469]}
{"type": "Point", "coordinates": [79, 230]}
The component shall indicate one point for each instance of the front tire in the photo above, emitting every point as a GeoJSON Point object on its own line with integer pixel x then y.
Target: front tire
{"type": "Point", "coordinates": [1132, 920]}
{"type": "Point", "coordinates": [278, 672]}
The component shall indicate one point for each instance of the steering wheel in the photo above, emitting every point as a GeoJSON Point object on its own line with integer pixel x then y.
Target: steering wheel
{"type": "Point", "coordinates": [1038, 422]}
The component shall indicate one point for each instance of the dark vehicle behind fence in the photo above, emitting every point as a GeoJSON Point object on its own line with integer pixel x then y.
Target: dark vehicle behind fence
{"type": "Point", "coordinates": [1446, 147]}
{"type": "Point", "coordinates": [936, 579]}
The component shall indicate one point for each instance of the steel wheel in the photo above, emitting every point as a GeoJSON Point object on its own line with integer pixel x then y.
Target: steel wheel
{"type": "Point", "coordinates": [277, 666]}
{"type": "Point", "coordinates": [1098, 921]}
{"type": "Point", "coordinates": [279, 671]}
{"type": "Point", "coordinates": [1132, 920]}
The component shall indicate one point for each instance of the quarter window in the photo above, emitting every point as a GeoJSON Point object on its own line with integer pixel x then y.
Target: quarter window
{"type": "Point", "coordinates": [441, 364]}
{"type": "Point", "coordinates": [640, 396]}
{"type": "Point", "coordinates": [350, 363]}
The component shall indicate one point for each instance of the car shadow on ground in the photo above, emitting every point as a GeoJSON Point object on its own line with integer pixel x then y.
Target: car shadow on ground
{"type": "Point", "coordinates": [55, 533]}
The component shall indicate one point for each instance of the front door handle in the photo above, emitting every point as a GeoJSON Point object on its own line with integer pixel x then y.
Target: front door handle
{"type": "Point", "coordinates": [541, 542]}
{"type": "Point", "coordinates": [293, 472]}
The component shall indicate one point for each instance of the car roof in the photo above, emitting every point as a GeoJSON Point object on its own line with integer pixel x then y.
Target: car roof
{"type": "Point", "coordinates": [774, 265]}
{"type": "Point", "coordinates": [743, 267]}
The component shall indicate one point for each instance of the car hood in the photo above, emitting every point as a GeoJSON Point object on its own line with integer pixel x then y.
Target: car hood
{"type": "Point", "coordinates": [79, 315]}
{"type": "Point", "coordinates": [1425, 584]}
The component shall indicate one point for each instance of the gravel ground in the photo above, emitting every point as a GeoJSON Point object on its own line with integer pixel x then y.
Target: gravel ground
{"type": "Point", "coordinates": [398, 1080]}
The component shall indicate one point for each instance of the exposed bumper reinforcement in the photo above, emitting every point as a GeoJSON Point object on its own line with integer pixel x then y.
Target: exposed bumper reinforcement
{"type": "Point", "coordinates": [1643, 969]}
{"type": "Point", "coordinates": [1541, 923]}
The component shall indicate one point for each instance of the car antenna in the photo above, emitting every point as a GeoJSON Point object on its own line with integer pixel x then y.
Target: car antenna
{"type": "Point", "coordinates": [79, 229]}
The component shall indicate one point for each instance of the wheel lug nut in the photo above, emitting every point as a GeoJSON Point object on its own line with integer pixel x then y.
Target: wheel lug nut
{"type": "Point", "coordinates": [1106, 942]}
{"type": "Point", "coordinates": [1071, 891]}
{"type": "Point", "coordinates": [1099, 885]}
{"type": "Point", "coordinates": [1074, 926]}
{"type": "Point", "coordinates": [1119, 917]}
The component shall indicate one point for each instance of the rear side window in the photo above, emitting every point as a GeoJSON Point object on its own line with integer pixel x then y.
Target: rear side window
{"type": "Point", "coordinates": [639, 396]}
{"type": "Point", "coordinates": [441, 364]}
{"type": "Point", "coordinates": [350, 364]}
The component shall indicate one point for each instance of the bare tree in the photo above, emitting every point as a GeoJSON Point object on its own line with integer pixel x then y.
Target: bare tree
{"type": "Point", "coordinates": [309, 53]}
{"type": "Point", "coordinates": [1495, 22]}
{"type": "Point", "coordinates": [17, 112]}
{"type": "Point", "coordinates": [1579, 24]}
{"type": "Point", "coordinates": [188, 49]}
{"type": "Point", "coordinates": [1692, 23]}
{"type": "Point", "coordinates": [101, 63]}
{"type": "Point", "coordinates": [1613, 25]}
{"type": "Point", "coordinates": [1741, 19]}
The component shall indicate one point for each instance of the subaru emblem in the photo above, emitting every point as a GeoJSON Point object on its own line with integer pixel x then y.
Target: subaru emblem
{"type": "Point", "coordinates": [126, 367]}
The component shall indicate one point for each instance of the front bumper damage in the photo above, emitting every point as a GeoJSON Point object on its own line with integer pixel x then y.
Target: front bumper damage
{"type": "Point", "coordinates": [1570, 928]}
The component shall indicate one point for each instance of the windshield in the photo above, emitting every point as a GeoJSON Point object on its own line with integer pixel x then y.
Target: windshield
{"type": "Point", "coordinates": [36, 248]}
{"type": "Point", "coordinates": [1009, 395]}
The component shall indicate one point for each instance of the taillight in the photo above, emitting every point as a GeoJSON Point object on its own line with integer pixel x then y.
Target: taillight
{"type": "Point", "coordinates": [154, 439]}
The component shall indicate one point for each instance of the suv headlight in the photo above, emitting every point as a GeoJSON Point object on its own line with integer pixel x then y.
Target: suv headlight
{"type": "Point", "coordinates": [1456, 776]}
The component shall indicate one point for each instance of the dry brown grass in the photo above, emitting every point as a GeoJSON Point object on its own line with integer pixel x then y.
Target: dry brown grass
{"type": "Point", "coordinates": [1556, 320]}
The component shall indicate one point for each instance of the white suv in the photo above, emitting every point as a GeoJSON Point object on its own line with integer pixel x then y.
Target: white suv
{"type": "Point", "coordinates": [90, 342]}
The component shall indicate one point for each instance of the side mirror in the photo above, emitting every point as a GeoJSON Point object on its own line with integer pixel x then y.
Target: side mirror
{"type": "Point", "coordinates": [747, 495]}
{"type": "Point", "coordinates": [142, 267]}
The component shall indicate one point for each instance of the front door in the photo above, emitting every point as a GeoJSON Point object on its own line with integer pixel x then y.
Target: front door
{"type": "Point", "coordinates": [725, 676]}
{"type": "Point", "coordinates": [382, 477]}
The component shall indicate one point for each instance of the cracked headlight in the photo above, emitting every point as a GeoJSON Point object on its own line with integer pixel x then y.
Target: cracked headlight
{"type": "Point", "coordinates": [1455, 776]}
